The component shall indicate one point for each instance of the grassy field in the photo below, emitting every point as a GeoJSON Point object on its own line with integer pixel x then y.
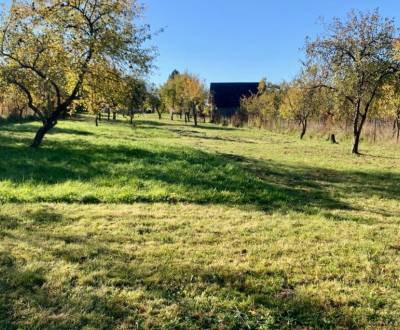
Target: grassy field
{"type": "Point", "coordinates": [173, 227]}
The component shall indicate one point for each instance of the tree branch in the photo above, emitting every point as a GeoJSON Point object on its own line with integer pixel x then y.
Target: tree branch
{"type": "Point", "coordinates": [28, 94]}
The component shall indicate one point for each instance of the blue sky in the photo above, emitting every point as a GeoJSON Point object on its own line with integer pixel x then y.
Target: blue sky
{"type": "Point", "coordinates": [242, 40]}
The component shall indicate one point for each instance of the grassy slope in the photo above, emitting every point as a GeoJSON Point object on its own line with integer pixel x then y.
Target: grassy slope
{"type": "Point", "coordinates": [231, 228]}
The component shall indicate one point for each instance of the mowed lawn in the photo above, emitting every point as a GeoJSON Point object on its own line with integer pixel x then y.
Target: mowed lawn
{"type": "Point", "coordinates": [167, 226]}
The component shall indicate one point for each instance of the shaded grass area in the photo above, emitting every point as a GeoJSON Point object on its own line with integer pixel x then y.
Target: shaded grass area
{"type": "Point", "coordinates": [82, 166]}
{"type": "Point", "coordinates": [164, 225]}
{"type": "Point", "coordinates": [93, 174]}
{"type": "Point", "coordinates": [188, 266]}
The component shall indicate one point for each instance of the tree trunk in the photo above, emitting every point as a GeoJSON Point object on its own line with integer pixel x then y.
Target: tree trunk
{"type": "Point", "coordinates": [195, 119]}
{"type": "Point", "coordinates": [358, 125]}
{"type": "Point", "coordinates": [97, 121]}
{"type": "Point", "coordinates": [356, 143]}
{"type": "Point", "coordinates": [332, 138]}
{"type": "Point", "coordinates": [396, 127]}
{"type": "Point", "coordinates": [159, 113]}
{"type": "Point", "coordinates": [398, 133]}
{"type": "Point", "coordinates": [50, 122]}
{"type": "Point", "coordinates": [194, 115]}
{"type": "Point", "coordinates": [212, 116]}
{"type": "Point", "coordinates": [47, 126]}
{"type": "Point", "coordinates": [114, 116]}
{"type": "Point", "coordinates": [108, 114]}
{"type": "Point", "coordinates": [303, 129]}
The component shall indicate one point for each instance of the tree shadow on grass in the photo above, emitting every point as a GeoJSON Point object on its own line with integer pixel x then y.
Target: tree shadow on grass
{"type": "Point", "coordinates": [31, 128]}
{"type": "Point", "coordinates": [378, 156]}
{"type": "Point", "coordinates": [277, 305]}
{"type": "Point", "coordinates": [383, 184]}
{"type": "Point", "coordinates": [180, 123]}
{"type": "Point", "coordinates": [14, 282]}
{"type": "Point", "coordinates": [204, 136]}
{"type": "Point", "coordinates": [187, 175]}
{"type": "Point", "coordinates": [202, 296]}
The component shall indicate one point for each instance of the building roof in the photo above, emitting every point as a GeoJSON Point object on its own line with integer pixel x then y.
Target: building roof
{"type": "Point", "coordinates": [228, 95]}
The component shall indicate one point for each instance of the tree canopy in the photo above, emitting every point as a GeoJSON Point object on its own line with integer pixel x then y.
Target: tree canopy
{"type": "Point", "coordinates": [356, 57]}
{"type": "Point", "coordinates": [49, 47]}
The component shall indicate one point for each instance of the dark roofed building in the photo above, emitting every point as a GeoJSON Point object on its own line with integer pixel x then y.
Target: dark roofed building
{"type": "Point", "coordinates": [226, 96]}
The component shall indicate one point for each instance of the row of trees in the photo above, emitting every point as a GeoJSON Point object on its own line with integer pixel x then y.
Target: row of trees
{"type": "Point", "coordinates": [59, 55]}
{"type": "Point", "coordinates": [351, 74]}
{"type": "Point", "coordinates": [185, 94]}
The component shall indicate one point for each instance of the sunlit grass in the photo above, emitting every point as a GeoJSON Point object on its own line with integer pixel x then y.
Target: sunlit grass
{"type": "Point", "coordinates": [164, 225]}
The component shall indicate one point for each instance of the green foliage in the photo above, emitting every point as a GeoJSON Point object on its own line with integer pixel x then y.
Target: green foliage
{"type": "Point", "coordinates": [302, 99]}
{"type": "Point", "coordinates": [136, 91]}
{"type": "Point", "coordinates": [50, 47]}
{"type": "Point", "coordinates": [357, 57]}
{"type": "Point", "coordinates": [184, 93]}
{"type": "Point", "coordinates": [263, 106]}
{"type": "Point", "coordinates": [349, 77]}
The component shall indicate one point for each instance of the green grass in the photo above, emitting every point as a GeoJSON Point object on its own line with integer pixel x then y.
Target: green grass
{"type": "Point", "coordinates": [169, 226]}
